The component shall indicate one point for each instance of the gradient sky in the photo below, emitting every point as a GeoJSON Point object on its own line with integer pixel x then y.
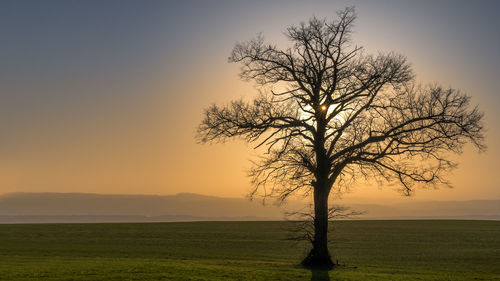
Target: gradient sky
{"type": "Point", "coordinates": [105, 96]}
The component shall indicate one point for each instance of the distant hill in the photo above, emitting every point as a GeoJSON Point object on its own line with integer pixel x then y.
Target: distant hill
{"type": "Point", "coordinates": [472, 209]}
{"type": "Point", "coordinates": [81, 207]}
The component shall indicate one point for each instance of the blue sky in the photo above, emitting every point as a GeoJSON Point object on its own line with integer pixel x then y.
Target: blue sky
{"type": "Point", "coordinates": [105, 96]}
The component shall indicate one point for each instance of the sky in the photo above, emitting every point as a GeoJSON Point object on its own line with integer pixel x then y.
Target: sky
{"type": "Point", "coordinates": [105, 96]}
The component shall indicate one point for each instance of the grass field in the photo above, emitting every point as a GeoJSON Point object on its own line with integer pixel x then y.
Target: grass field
{"type": "Point", "coordinates": [368, 250]}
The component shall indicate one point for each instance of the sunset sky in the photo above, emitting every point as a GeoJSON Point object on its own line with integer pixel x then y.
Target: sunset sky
{"type": "Point", "coordinates": [105, 96]}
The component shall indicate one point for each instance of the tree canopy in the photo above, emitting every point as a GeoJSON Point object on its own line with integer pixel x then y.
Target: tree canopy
{"type": "Point", "coordinates": [329, 114]}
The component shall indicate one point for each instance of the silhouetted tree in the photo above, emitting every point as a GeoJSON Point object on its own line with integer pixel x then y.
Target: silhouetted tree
{"type": "Point", "coordinates": [330, 114]}
{"type": "Point", "coordinates": [302, 221]}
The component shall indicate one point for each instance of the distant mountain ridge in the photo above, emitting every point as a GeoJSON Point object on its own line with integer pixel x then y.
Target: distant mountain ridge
{"type": "Point", "coordinates": [184, 204]}
{"type": "Point", "coordinates": [84, 207]}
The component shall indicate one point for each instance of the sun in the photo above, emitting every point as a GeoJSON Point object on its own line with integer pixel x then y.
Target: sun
{"type": "Point", "coordinates": [323, 107]}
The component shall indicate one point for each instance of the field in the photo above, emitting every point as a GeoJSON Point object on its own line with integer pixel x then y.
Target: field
{"type": "Point", "coordinates": [366, 250]}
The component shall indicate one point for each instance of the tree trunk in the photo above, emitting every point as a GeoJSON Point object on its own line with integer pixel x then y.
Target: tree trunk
{"type": "Point", "coordinates": [319, 255]}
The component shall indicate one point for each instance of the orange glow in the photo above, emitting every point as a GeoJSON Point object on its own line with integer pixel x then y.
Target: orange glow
{"type": "Point", "coordinates": [126, 123]}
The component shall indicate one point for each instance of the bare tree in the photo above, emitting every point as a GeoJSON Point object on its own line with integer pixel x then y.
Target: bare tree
{"type": "Point", "coordinates": [302, 221]}
{"type": "Point", "coordinates": [331, 114]}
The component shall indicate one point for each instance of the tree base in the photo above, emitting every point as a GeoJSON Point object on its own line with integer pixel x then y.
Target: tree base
{"type": "Point", "coordinates": [314, 261]}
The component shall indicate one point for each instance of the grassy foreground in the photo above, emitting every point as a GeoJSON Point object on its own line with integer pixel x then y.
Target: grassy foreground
{"type": "Point", "coordinates": [370, 250]}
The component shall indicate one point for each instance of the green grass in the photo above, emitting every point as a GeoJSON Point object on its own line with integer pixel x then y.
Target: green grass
{"type": "Point", "coordinates": [369, 250]}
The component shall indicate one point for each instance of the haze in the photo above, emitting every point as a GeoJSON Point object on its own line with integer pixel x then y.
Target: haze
{"type": "Point", "coordinates": [105, 96]}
